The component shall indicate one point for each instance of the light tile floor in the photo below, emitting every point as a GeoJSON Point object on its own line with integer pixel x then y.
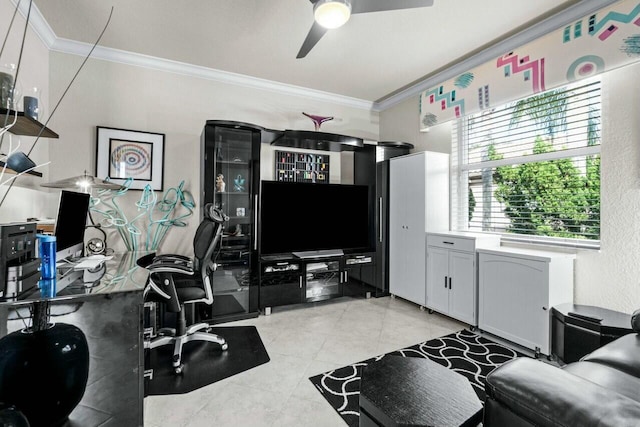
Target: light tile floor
{"type": "Point", "coordinates": [302, 341]}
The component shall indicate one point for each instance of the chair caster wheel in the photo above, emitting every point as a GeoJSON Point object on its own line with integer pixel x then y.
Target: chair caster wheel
{"type": "Point", "coordinates": [430, 311]}
{"type": "Point", "coordinates": [178, 369]}
{"type": "Point", "coordinates": [225, 346]}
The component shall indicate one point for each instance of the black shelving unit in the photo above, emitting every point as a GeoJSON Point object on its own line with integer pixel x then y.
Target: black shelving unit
{"type": "Point", "coordinates": [302, 167]}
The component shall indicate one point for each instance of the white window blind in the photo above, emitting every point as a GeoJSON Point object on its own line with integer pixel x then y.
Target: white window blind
{"type": "Point", "coordinates": [531, 169]}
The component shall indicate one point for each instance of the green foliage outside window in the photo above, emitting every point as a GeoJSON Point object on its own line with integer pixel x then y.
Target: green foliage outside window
{"type": "Point", "coordinates": [553, 197]}
{"type": "Point", "coordinates": [550, 198]}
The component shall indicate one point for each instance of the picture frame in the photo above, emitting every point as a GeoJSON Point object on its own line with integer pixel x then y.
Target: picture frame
{"type": "Point", "coordinates": [125, 153]}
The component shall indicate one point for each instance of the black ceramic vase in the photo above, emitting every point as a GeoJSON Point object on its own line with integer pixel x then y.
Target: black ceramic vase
{"type": "Point", "coordinates": [44, 371]}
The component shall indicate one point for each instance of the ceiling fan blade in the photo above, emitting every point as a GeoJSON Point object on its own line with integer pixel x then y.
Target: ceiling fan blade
{"type": "Point", "coordinates": [364, 6]}
{"type": "Point", "coordinates": [315, 33]}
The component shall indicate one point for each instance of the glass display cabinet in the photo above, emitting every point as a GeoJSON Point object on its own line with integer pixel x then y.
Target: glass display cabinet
{"type": "Point", "coordinates": [231, 180]}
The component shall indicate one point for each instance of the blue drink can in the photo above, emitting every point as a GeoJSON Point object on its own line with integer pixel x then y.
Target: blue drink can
{"type": "Point", "coordinates": [47, 253]}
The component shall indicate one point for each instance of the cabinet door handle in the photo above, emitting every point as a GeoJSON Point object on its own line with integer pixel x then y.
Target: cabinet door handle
{"type": "Point", "coordinates": [445, 282]}
{"type": "Point", "coordinates": [300, 282]}
{"type": "Point", "coordinates": [380, 217]}
{"type": "Point", "coordinates": [255, 224]}
{"type": "Point", "coordinates": [544, 308]}
{"type": "Point", "coordinates": [447, 243]}
{"type": "Point", "coordinates": [449, 282]}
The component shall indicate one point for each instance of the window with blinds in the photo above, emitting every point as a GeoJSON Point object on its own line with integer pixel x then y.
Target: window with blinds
{"type": "Point", "coordinates": [531, 169]}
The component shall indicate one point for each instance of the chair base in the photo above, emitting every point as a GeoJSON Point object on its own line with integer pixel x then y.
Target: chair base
{"type": "Point", "coordinates": [168, 336]}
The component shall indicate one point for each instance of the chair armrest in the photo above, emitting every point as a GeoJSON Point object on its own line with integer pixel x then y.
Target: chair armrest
{"type": "Point", "coordinates": [170, 267]}
{"type": "Point", "coordinates": [173, 258]}
{"type": "Point", "coordinates": [549, 396]}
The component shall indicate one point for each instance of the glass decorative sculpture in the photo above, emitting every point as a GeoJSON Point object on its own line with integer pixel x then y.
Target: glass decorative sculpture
{"type": "Point", "coordinates": [318, 120]}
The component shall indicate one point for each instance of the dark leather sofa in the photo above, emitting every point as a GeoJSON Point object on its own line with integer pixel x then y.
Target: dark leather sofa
{"type": "Point", "coordinates": [602, 389]}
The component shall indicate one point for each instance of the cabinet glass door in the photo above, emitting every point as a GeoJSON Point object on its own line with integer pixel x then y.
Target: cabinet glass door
{"type": "Point", "coordinates": [322, 280]}
{"type": "Point", "coordinates": [280, 284]}
{"type": "Point", "coordinates": [233, 194]}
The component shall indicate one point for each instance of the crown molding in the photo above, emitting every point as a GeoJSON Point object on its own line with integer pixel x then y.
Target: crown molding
{"type": "Point", "coordinates": [552, 23]}
{"type": "Point", "coordinates": [37, 22]}
{"type": "Point", "coordinates": [123, 57]}
{"type": "Point", "coordinates": [54, 43]}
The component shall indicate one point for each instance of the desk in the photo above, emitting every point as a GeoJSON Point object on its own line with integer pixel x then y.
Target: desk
{"type": "Point", "coordinates": [103, 322]}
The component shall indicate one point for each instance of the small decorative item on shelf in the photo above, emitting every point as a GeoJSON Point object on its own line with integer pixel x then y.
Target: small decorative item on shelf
{"type": "Point", "coordinates": [32, 106]}
{"type": "Point", "coordinates": [238, 183]}
{"type": "Point", "coordinates": [219, 155]}
{"type": "Point", "coordinates": [237, 159]}
{"type": "Point", "coordinates": [237, 231]}
{"type": "Point", "coordinates": [318, 120]}
{"type": "Point", "coordinates": [10, 90]}
{"type": "Point", "coordinates": [239, 211]}
{"type": "Point", "coordinates": [220, 184]}
{"type": "Point", "coordinates": [20, 162]}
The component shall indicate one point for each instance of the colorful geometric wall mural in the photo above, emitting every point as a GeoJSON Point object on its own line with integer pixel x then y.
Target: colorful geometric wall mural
{"type": "Point", "coordinates": [597, 43]}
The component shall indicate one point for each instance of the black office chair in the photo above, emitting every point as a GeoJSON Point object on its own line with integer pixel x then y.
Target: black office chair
{"type": "Point", "coordinates": [176, 280]}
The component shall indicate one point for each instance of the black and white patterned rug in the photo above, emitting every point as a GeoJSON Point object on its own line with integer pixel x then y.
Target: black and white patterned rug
{"type": "Point", "coordinates": [465, 352]}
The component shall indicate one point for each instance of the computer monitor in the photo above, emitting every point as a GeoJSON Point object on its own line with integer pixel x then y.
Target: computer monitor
{"type": "Point", "coordinates": [71, 224]}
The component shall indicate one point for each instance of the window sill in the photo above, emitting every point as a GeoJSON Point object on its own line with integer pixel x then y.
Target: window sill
{"type": "Point", "coordinates": [563, 245]}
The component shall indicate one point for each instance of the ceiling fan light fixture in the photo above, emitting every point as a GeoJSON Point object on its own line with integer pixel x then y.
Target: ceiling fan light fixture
{"type": "Point", "coordinates": [332, 13]}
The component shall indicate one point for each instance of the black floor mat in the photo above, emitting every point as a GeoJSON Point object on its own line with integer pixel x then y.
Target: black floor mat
{"type": "Point", "coordinates": [205, 363]}
{"type": "Point", "coordinates": [465, 352]}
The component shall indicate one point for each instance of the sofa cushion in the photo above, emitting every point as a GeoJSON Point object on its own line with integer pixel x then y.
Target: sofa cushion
{"type": "Point", "coordinates": [622, 354]}
{"type": "Point", "coordinates": [545, 395]}
{"type": "Point", "coordinates": [607, 377]}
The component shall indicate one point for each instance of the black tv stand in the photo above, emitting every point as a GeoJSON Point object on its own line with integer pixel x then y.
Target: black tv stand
{"type": "Point", "coordinates": [307, 277]}
{"type": "Point", "coordinates": [318, 254]}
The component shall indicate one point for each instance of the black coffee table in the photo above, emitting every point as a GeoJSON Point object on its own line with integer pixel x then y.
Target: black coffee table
{"type": "Point", "coordinates": [411, 391]}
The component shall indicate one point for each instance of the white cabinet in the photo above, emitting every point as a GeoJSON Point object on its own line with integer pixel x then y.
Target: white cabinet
{"type": "Point", "coordinates": [418, 202]}
{"type": "Point", "coordinates": [517, 288]}
{"type": "Point", "coordinates": [451, 273]}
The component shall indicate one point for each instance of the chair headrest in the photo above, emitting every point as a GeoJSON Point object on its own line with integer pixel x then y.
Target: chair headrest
{"type": "Point", "coordinates": [214, 214]}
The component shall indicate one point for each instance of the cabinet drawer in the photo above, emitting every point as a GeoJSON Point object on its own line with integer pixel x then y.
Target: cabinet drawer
{"type": "Point", "coordinates": [358, 260]}
{"type": "Point", "coordinates": [451, 242]}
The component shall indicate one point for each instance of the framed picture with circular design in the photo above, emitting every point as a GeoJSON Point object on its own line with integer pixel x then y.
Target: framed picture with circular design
{"type": "Point", "coordinates": [130, 154]}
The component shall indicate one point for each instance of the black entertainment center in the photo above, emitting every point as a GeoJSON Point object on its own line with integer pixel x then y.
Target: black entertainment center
{"type": "Point", "coordinates": [316, 242]}
{"type": "Point", "coordinates": [291, 242]}
{"type": "Point", "coordinates": [286, 279]}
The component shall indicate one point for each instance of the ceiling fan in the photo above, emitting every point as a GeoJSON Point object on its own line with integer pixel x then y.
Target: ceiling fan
{"type": "Point", "coordinates": [330, 14]}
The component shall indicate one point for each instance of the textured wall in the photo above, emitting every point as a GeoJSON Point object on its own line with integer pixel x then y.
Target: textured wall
{"type": "Point", "coordinates": [400, 123]}
{"type": "Point", "coordinates": [611, 277]}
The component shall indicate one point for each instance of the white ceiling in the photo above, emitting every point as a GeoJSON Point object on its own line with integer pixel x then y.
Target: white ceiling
{"type": "Point", "coordinates": [372, 57]}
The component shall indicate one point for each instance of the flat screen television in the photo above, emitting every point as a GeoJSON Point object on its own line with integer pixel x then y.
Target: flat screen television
{"type": "Point", "coordinates": [71, 224]}
{"type": "Point", "coordinates": [310, 217]}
